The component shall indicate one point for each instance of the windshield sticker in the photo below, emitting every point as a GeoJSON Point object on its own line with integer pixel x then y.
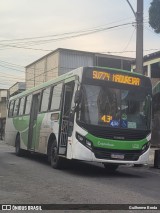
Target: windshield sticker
{"type": "Point", "coordinates": [114, 123]}
{"type": "Point", "coordinates": [124, 116]}
{"type": "Point", "coordinates": [106, 118]}
{"type": "Point", "coordinates": [124, 123]}
{"type": "Point", "coordinates": [132, 125]}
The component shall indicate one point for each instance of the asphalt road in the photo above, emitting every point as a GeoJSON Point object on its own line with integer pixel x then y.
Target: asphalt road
{"type": "Point", "coordinates": [30, 179]}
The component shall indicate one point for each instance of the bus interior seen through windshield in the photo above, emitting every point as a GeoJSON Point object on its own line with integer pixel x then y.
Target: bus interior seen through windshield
{"type": "Point", "coordinates": [115, 106]}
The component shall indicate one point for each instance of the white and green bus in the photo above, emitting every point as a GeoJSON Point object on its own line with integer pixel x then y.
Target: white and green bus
{"type": "Point", "coordinates": [89, 114]}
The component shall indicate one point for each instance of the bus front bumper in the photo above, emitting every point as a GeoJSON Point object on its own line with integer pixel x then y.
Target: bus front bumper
{"type": "Point", "coordinates": [83, 153]}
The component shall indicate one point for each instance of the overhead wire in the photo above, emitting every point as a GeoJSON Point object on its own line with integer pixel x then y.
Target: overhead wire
{"type": "Point", "coordinates": [66, 33]}
{"type": "Point", "coordinates": [19, 43]}
{"type": "Point", "coordinates": [6, 75]}
{"type": "Point", "coordinates": [11, 68]}
{"type": "Point", "coordinates": [11, 64]}
{"type": "Point", "coordinates": [61, 38]}
{"type": "Point", "coordinates": [66, 37]}
{"type": "Point", "coordinates": [82, 33]}
{"type": "Point", "coordinates": [129, 41]}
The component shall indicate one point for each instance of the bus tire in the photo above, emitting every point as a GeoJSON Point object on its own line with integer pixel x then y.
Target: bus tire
{"type": "Point", "coordinates": [57, 162]}
{"type": "Point", "coordinates": [110, 167]}
{"type": "Point", "coordinates": [18, 149]}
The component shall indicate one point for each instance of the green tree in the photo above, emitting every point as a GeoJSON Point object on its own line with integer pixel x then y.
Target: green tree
{"type": "Point", "coordinates": [154, 15]}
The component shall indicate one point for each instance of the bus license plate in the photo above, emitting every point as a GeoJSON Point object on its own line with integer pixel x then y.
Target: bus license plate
{"type": "Point", "coordinates": [117, 156]}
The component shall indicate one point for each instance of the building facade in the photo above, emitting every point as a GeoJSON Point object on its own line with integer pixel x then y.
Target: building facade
{"type": "Point", "coordinates": [61, 61]}
{"type": "Point", "coordinates": [17, 88]}
{"type": "Point", "coordinates": [4, 96]}
{"type": "Point", "coordinates": [151, 67]}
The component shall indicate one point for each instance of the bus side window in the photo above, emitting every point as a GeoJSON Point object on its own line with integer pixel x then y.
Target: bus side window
{"type": "Point", "coordinates": [16, 107]}
{"type": "Point", "coordinates": [28, 104]}
{"type": "Point", "coordinates": [56, 97]}
{"type": "Point", "coordinates": [11, 106]}
{"type": "Point", "coordinates": [21, 107]}
{"type": "Point", "coordinates": [45, 99]}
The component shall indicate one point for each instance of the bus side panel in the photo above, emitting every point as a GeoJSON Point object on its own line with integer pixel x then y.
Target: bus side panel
{"type": "Point", "coordinates": [46, 124]}
{"type": "Point", "coordinates": [21, 125]}
{"type": "Point", "coordinates": [10, 132]}
{"type": "Point", "coordinates": [36, 134]}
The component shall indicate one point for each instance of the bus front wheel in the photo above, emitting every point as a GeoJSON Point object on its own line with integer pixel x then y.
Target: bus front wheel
{"type": "Point", "coordinates": [57, 162]}
{"type": "Point", "coordinates": [110, 167]}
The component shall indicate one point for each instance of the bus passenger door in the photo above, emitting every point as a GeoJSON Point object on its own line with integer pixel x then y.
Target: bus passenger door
{"type": "Point", "coordinates": [32, 137]}
{"type": "Point", "coordinates": [65, 116]}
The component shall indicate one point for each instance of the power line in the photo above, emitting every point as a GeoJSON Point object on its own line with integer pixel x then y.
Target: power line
{"type": "Point", "coordinates": [65, 33]}
{"type": "Point", "coordinates": [29, 48]}
{"type": "Point", "coordinates": [128, 51]}
{"type": "Point", "coordinates": [8, 64]}
{"type": "Point", "coordinates": [8, 75]}
{"type": "Point", "coordinates": [129, 40]}
{"type": "Point", "coordinates": [11, 68]}
{"type": "Point", "coordinates": [6, 84]}
{"type": "Point", "coordinates": [66, 37]}
{"type": "Point", "coordinates": [11, 64]}
{"type": "Point", "coordinates": [152, 31]}
{"type": "Point", "coordinates": [32, 43]}
{"type": "Point", "coordinates": [2, 76]}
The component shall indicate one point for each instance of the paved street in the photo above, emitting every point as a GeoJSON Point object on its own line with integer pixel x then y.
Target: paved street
{"type": "Point", "coordinates": [30, 179]}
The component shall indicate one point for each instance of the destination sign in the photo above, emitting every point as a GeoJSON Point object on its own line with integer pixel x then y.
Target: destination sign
{"type": "Point", "coordinates": [117, 78]}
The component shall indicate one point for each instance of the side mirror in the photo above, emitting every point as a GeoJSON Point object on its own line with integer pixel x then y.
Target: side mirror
{"type": "Point", "coordinates": [77, 97]}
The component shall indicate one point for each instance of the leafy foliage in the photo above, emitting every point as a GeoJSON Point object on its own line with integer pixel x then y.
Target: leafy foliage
{"type": "Point", "coordinates": [154, 15]}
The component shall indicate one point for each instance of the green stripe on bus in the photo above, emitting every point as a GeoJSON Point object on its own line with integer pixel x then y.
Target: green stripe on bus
{"type": "Point", "coordinates": [116, 144]}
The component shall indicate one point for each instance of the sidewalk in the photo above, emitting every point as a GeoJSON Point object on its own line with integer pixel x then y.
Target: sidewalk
{"type": "Point", "coordinates": [151, 156]}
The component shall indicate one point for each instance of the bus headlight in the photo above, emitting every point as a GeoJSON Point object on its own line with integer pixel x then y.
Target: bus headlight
{"type": "Point", "coordinates": [80, 138]}
{"type": "Point", "coordinates": [88, 143]}
{"type": "Point", "coordinates": [84, 141]}
{"type": "Point", "coordinates": [145, 147]}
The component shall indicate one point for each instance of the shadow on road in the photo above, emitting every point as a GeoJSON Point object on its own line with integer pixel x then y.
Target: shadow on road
{"type": "Point", "coordinates": [33, 156]}
{"type": "Point", "coordinates": [81, 168]}
{"type": "Point", "coordinates": [97, 170]}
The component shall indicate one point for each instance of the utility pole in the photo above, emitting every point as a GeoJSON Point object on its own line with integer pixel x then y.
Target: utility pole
{"type": "Point", "coordinates": [139, 35]}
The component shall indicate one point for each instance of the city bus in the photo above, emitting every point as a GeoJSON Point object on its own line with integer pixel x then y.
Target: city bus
{"type": "Point", "coordinates": [89, 114]}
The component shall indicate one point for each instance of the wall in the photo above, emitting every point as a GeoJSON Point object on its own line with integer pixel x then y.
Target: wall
{"type": "Point", "coordinates": [70, 60]}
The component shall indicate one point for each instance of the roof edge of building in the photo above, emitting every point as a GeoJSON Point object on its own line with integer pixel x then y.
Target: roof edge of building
{"type": "Point", "coordinates": [81, 51]}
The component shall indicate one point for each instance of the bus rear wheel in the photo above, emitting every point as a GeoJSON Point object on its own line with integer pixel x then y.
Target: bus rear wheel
{"type": "Point", "coordinates": [110, 167]}
{"type": "Point", "coordinates": [18, 149]}
{"type": "Point", "coordinates": [57, 162]}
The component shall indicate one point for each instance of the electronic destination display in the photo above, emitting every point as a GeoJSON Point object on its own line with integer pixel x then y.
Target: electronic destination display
{"type": "Point", "coordinates": [117, 78]}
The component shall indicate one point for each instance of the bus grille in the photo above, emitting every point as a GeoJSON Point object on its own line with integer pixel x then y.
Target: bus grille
{"type": "Point", "coordinates": [116, 134]}
{"type": "Point", "coordinates": [106, 154]}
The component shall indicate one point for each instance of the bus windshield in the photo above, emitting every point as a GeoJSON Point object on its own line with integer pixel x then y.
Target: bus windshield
{"type": "Point", "coordinates": [115, 107]}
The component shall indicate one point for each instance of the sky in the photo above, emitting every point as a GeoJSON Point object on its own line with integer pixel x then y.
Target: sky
{"type": "Point", "coordinates": [52, 20]}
